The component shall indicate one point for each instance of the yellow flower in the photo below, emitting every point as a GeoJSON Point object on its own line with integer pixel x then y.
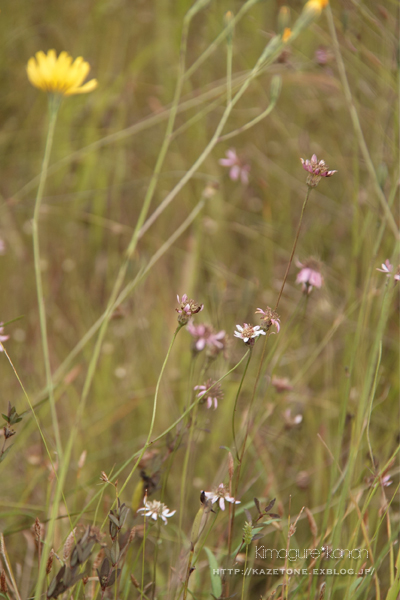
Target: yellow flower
{"type": "Point", "coordinates": [287, 32]}
{"type": "Point", "coordinates": [59, 75]}
{"type": "Point", "coordinates": [316, 5]}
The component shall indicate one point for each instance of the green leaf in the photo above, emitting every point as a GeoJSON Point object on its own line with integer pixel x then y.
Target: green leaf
{"type": "Point", "coordinates": [394, 590]}
{"type": "Point", "coordinates": [355, 584]}
{"type": "Point", "coordinates": [216, 583]}
{"type": "Point", "coordinates": [114, 520]}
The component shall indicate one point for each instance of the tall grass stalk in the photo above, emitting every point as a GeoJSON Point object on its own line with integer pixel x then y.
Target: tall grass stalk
{"type": "Point", "coordinates": [54, 104]}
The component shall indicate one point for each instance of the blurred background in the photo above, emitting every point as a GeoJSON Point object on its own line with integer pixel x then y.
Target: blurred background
{"type": "Point", "coordinates": [232, 258]}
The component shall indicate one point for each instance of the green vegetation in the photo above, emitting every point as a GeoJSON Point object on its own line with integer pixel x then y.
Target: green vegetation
{"type": "Point", "coordinates": [98, 399]}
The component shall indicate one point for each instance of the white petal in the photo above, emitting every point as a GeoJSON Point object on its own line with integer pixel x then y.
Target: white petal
{"type": "Point", "coordinates": [222, 503]}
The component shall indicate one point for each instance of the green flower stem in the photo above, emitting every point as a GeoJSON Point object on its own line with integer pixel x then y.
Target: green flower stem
{"type": "Point", "coordinates": [143, 558]}
{"type": "Point", "coordinates": [148, 442]}
{"type": "Point", "coordinates": [248, 353]}
{"type": "Point", "coordinates": [54, 104]}
{"type": "Point", "coordinates": [245, 568]}
{"type": "Point", "coordinates": [185, 466]}
{"type": "Point", "coordinates": [153, 591]}
{"type": "Point", "coordinates": [187, 453]}
{"type": "Point", "coordinates": [303, 208]}
{"type": "Point", "coordinates": [188, 572]}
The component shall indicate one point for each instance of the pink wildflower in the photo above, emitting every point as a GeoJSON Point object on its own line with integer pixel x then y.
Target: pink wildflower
{"type": "Point", "coordinates": [213, 395]}
{"type": "Point", "coordinates": [316, 170]}
{"type": "Point", "coordinates": [387, 268]}
{"type": "Point", "coordinates": [205, 335]}
{"type": "Point", "coordinates": [309, 275]}
{"type": "Point", "coordinates": [270, 317]}
{"type": "Point", "coordinates": [237, 167]}
{"type": "Point", "coordinates": [187, 308]}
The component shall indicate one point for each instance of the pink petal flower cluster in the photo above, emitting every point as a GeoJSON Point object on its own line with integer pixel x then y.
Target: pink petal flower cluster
{"type": "Point", "coordinates": [204, 335]}
{"type": "Point", "coordinates": [187, 308]}
{"type": "Point", "coordinates": [387, 268]}
{"type": "Point", "coordinates": [316, 169]}
{"type": "Point", "coordinates": [237, 169]}
{"type": "Point", "coordinates": [309, 275]}
{"type": "Point", "coordinates": [213, 395]}
{"type": "Point", "coordinates": [270, 317]}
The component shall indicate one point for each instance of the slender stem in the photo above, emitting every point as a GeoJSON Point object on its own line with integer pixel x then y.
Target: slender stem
{"type": "Point", "coordinates": [188, 571]}
{"type": "Point", "coordinates": [148, 442]}
{"type": "Point", "coordinates": [294, 245]}
{"type": "Point", "coordinates": [244, 572]}
{"type": "Point", "coordinates": [54, 104]}
{"type": "Point", "coordinates": [236, 401]}
{"type": "Point", "coordinates": [154, 582]}
{"type": "Point", "coordinates": [229, 52]}
{"type": "Point", "coordinates": [144, 548]}
{"type": "Point", "coordinates": [6, 561]}
{"type": "Point", "coordinates": [185, 466]}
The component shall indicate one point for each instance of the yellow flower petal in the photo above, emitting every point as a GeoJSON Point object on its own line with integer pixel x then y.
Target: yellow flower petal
{"type": "Point", "coordinates": [59, 75]}
{"type": "Point", "coordinates": [287, 32]}
{"type": "Point", "coordinates": [316, 5]}
{"type": "Point", "coordinates": [84, 89]}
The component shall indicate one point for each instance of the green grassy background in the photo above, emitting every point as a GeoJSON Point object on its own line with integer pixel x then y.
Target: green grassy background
{"type": "Point", "coordinates": [233, 258]}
